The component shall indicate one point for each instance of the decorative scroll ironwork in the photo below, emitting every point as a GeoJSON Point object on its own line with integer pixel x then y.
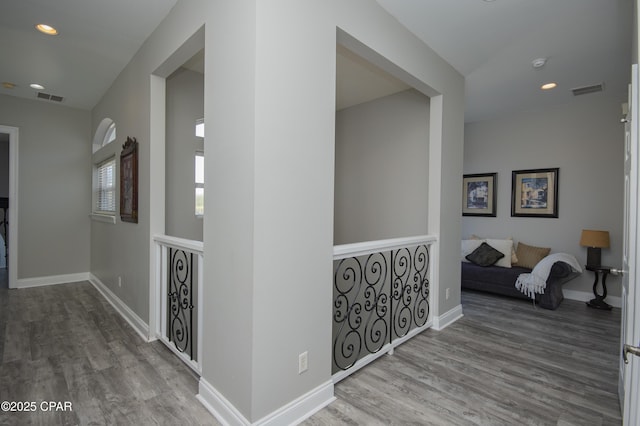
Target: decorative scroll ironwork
{"type": "Point", "coordinates": [377, 299]}
{"type": "Point", "coordinates": [180, 300]}
{"type": "Point", "coordinates": [409, 289]}
{"type": "Point", "coordinates": [360, 314]}
{"type": "Point", "coordinates": [421, 285]}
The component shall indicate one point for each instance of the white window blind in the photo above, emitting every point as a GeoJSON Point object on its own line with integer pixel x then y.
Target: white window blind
{"type": "Point", "coordinates": [106, 186]}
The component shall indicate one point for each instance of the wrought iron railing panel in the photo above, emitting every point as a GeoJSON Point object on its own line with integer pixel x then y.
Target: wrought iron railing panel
{"type": "Point", "coordinates": [178, 294]}
{"type": "Point", "coordinates": [180, 300]}
{"type": "Point", "coordinates": [360, 308]}
{"type": "Point", "coordinates": [409, 289]}
{"type": "Point", "coordinates": [379, 297]}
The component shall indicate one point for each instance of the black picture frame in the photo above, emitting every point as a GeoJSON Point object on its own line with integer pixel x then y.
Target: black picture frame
{"type": "Point", "coordinates": [479, 194]}
{"type": "Point", "coordinates": [534, 193]}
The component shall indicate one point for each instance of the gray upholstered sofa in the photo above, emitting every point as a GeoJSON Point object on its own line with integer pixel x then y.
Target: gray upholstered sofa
{"type": "Point", "coordinates": [498, 280]}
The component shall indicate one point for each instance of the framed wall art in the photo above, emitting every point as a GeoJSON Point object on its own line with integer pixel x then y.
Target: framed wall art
{"type": "Point", "coordinates": [129, 181]}
{"type": "Point", "coordinates": [534, 193]}
{"type": "Point", "coordinates": [479, 195]}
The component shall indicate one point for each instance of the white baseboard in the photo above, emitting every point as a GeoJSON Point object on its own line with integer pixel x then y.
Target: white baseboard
{"type": "Point", "coordinates": [584, 296]}
{"type": "Point", "coordinates": [52, 280]}
{"type": "Point", "coordinates": [141, 327]}
{"type": "Point", "coordinates": [443, 321]}
{"type": "Point", "coordinates": [293, 413]}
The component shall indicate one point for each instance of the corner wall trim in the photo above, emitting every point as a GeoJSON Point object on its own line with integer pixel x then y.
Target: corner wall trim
{"type": "Point", "coordinates": [141, 327]}
{"type": "Point", "coordinates": [584, 296]}
{"type": "Point", "coordinates": [292, 413]}
{"type": "Point", "coordinates": [443, 321]}
{"type": "Point", "coordinates": [52, 280]}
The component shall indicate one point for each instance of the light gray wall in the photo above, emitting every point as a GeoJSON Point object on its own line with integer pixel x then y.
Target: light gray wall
{"type": "Point", "coordinates": [585, 140]}
{"type": "Point", "coordinates": [54, 186]}
{"type": "Point", "coordinates": [270, 113]}
{"type": "Point", "coordinates": [382, 173]}
{"type": "Point", "coordinates": [185, 104]}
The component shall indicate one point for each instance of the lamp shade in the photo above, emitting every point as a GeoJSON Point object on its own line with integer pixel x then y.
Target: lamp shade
{"type": "Point", "coordinates": [591, 238]}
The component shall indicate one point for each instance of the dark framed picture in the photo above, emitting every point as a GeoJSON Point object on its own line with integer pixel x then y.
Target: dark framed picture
{"type": "Point", "coordinates": [479, 195]}
{"type": "Point", "coordinates": [534, 193]}
{"type": "Point", "coordinates": [129, 181]}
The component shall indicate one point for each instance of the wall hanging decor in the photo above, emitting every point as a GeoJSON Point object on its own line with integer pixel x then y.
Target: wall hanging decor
{"type": "Point", "coordinates": [534, 193]}
{"type": "Point", "coordinates": [479, 195]}
{"type": "Point", "coordinates": [129, 181]}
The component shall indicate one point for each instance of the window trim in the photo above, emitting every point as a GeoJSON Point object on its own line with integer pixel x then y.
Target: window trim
{"type": "Point", "coordinates": [105, 218]}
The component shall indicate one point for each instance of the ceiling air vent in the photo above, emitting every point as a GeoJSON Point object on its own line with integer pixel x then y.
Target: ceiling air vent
{"type": "Point", "coordinates": [54, 98]}
{"type": "Point", "coordinates": [588, 89]}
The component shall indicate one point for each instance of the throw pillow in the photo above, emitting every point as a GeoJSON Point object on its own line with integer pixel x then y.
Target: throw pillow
{"type": "Point", "coordinates": [467, 247]}
{"type": "Point", "coordinates": [504, 247]}
{"type": "Point", "coordinates": [485, 255]}
{"type": "Point", "coordinates": [529, 256]}
{"type": "Point", "coordinates": [514, 258]}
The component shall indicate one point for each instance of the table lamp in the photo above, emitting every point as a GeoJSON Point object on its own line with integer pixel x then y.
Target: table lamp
{"type": "Point", "coordinates": [594, 241]}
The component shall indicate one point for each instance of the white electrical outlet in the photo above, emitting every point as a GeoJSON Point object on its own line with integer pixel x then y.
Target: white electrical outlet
{"type": "Point", "coordinates": [119, 281]}
{"type": "Point", "coordinates": [303, 362]}
{"type": "Point", "coordinates": [446, 293]}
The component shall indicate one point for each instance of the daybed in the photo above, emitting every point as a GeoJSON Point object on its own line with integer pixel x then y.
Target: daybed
{"type": "Point", "coordinates": [500, 276]}
{"type": "Point", "coordinates": [499, 280]}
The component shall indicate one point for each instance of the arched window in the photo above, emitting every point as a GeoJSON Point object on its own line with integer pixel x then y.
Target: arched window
{"type": "Point", "coordinates": [105, 134]}
{"type": "Point", "coordinates": [110, 135]}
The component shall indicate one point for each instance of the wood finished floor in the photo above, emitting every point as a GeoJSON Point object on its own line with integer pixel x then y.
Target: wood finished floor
{"type": "Point", "coordinates": [503, 363]}
{"type": "Point", "coordinates": [66, 343]}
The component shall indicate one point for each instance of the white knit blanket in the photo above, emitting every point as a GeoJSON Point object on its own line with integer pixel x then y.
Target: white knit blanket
{"type": "Point", "coordinates": [536, 281]}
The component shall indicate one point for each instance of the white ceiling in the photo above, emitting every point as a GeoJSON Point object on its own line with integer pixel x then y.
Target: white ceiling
{"type": "Point", "coordinates": [97, 39]}
{"type": "Point", "coordinates": [491, 43]}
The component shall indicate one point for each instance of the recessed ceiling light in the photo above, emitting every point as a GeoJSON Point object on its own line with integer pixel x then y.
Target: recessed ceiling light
{"type": "Point", "coordinates": [8, 85]}
{"type": "Point", "coordinates": [46, 29]}
{"type": "Point", "coordinates": [36, 86]}
{"type": "Point", "coordinates": [549, 86]}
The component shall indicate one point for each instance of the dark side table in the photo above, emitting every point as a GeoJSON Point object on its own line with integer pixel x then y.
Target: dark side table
{"type": "Point", "coordinates": [599, 302]}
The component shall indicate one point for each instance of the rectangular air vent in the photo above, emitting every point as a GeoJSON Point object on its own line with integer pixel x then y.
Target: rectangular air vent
{"type": "Point", "coordinates": [54, 98]}
{"type": "Point", "coordinates": [588, 89]}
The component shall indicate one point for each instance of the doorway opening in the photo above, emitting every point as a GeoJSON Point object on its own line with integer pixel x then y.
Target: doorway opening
{"type": "Point", "coordinates": [384, 280]}
{"type": "Point", "coordinates": [4, 206]}
{"type": "Point", "coordinates": [8, 206]}
{"type": "Point", "coordinates": [177, 104]}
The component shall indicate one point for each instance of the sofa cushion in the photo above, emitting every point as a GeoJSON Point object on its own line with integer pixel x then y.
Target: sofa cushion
{"type": "Point", "coordinates": [485, 255]}
{"type": "Point", "coordinates": [529, 256]}
{"type": "Point", "coordinates": [468, 246]}
{"type": "Point", "coordinates": [504, 247]}
{"type": "Point", "coordinates": [514, 258]}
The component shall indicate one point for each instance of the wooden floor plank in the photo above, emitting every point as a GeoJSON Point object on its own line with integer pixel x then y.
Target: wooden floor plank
{"type": "Point", "coordinates": [66, 343]}
{"type": "Point", "coordinates": [505, 362]}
